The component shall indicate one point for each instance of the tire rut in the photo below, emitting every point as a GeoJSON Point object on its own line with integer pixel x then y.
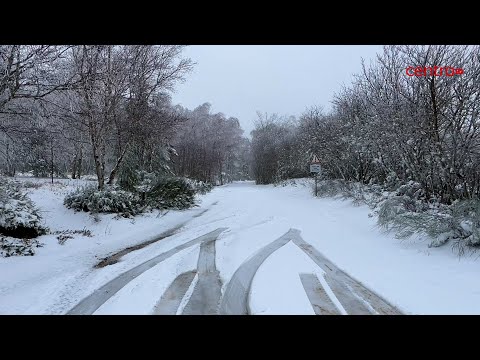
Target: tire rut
{"type": "Point", "coordinates": [114, 258]}
{"type": "Point", "coordinates": [172, 297]}
{"type": "Point", "coordinates": [208, 290]}
{"type": "Point", "coordinates": [338, 281]}
{"type": "Point", "coordinates": [92, 302]}
{"type": "Point", "coordinates": [321, 302]}
{"type": "Point", "coordinates": [235, 298]}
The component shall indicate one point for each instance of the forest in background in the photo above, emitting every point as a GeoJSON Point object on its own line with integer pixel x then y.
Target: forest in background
{"type": "Point", "coordinates": [107, 110]}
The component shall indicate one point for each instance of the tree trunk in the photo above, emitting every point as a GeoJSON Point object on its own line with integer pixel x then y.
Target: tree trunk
{"type": "Point", "coordinates": [97, 156]}
{"type": "Point", "coordinates": [221, 174]}
{"type": "Point", "coordinates": [79, 164]}
{"type": "Point", "coordinates": [113, 173]}
{"type": "Point", "coordinates": [102, 159]}
{"type": "Point", "coordinates": [9, 166]}
{"type": "Point", "coordinates": [74, 166]}
{"type": "Point", "coordinates": [51, 160]}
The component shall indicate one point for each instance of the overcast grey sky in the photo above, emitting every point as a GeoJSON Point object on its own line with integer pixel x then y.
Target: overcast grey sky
{"type": "Point", "coordinates": [238, 80]}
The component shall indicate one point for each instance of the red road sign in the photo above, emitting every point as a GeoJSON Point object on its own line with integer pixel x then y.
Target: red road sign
{"type": "Point", "coordinates": [315, 160]}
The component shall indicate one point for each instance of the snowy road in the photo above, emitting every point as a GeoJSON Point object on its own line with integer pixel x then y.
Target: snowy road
{"type": "Point", "coordinates": [337, 294]}
{"type": "Point", "coordinates": [246, 249]}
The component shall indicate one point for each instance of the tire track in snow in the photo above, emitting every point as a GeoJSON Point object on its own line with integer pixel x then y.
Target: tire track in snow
{"type": "Point", "coordinates": [92, 302]}
{"type": "Point", "coordinates": [350, 303]}
{"type": "Point", "coordinates": [114, 258]}
{"type": "Point", "coordinates": [321, 302]}
{"type": "Point", "coordinates": [208, 290]}
{"type": "Point", "coordinates": [347, 289]}
{"type": "Point", "coordinates": [172, 297]}
{"type": "Point", "coordinates": [235, 298]}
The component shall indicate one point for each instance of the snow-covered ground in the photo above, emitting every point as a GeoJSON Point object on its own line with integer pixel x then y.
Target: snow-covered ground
{"type": "Point", "coordinates": [411, 276]}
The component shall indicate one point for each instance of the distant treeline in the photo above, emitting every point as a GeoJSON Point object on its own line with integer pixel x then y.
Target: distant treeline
{"type": "Point", "coordinates": [105, 110]}
{"type": "Point", "coordinates": [388, 127]}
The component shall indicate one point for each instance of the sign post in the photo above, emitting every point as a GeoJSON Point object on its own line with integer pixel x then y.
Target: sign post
{"type": "Point", "coordinates": [315, 168]}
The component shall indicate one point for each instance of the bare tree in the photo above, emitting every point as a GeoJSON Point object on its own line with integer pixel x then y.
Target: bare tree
{"type": "Point", "coordinates": [150, 71]}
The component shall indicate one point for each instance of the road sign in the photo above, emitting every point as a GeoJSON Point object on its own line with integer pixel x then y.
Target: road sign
{"type": "Point", "coordinates": [316, 169]}
{"type": "Point", "coordinates": [315, 160]}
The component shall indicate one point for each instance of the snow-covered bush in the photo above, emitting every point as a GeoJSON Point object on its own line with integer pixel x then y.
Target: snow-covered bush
{"type": "Point", "coordinates": [64, 235]}
{"type": "Point", "coordinates": [295, 182]}
{"type": "Point", "coordinates": [459, 222]}
{"type": "Point", "coordinates": [392, 182]}
{"type": "Point", "coordinates": [171, 192]}
{"type": "Point", "coordinates": [144, 181]}
{"type": "Point", "coordinates": [329, 188]}
{"type": "Point", "coordinates": [31, 185]}
{"type": "Point", "coordinates": [18, 215]}
{"type": "Point", "coordinates": [163, 193]}
{"type": "Point", "coordinates": [10, 246]}
{"type": "Point", "coordinates": [400, 214]}
{"type": "Point", "coordinates": [24, 174]}
{"type": "Point", "coordinates": [405, 211]}
{"type": "Point", "coordinates": [200, 187]}
{"type": "Point", "coordinates": [109, 200]}
{"type": "Point", "coordinates": [466, 224]}
{"type": "Point", "coordinates": [358, 192]}
{"type": "Point", "coordinates": [412, 190]}
{"type": "Point", "coordinates": [89, 177]}
{"type": "Point", "coordinates": [134, 180]}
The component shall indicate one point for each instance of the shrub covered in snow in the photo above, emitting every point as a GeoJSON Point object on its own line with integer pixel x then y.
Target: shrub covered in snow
{"type": "Point", "coordinates": [136, 180]}
{"type": "Point", "coordinates": [459, 222]}
{"type": "Point", "coordinates": [171, 192]}
{"type": "Point", "coordinates": [144, 181]}
{"type": "Point", "coordinates": [360, 193]}
{"type": "Point", "coordinates": [109, 200]}
{"type": "Point", "coordinates": [158, 190]}
{"type": "Point", "coordinates": [405, 211]}
{"type": "Point", "coordinates": [466, 220]}
{"type": "Point", "coordinates": [147, 191]}
{"type": "Point", "coordinates": [295, 182]}
{"type": "Point", "coordinates": [400, 214]}
{"type": "Point", "coordinates": [64, 235]}
{"type": "Point", "coordinates": [10, 246]}
{"type": "Point", "coordinates": [89, 177]}
{"type": "Point", "coordinates": [31, 185]}
{"type": "Point", "coordinates": [329, 188]}
{"type": "Point", "coordinates": [18, 215]}
{"type": "Point", "coordinates": [200, 187]}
